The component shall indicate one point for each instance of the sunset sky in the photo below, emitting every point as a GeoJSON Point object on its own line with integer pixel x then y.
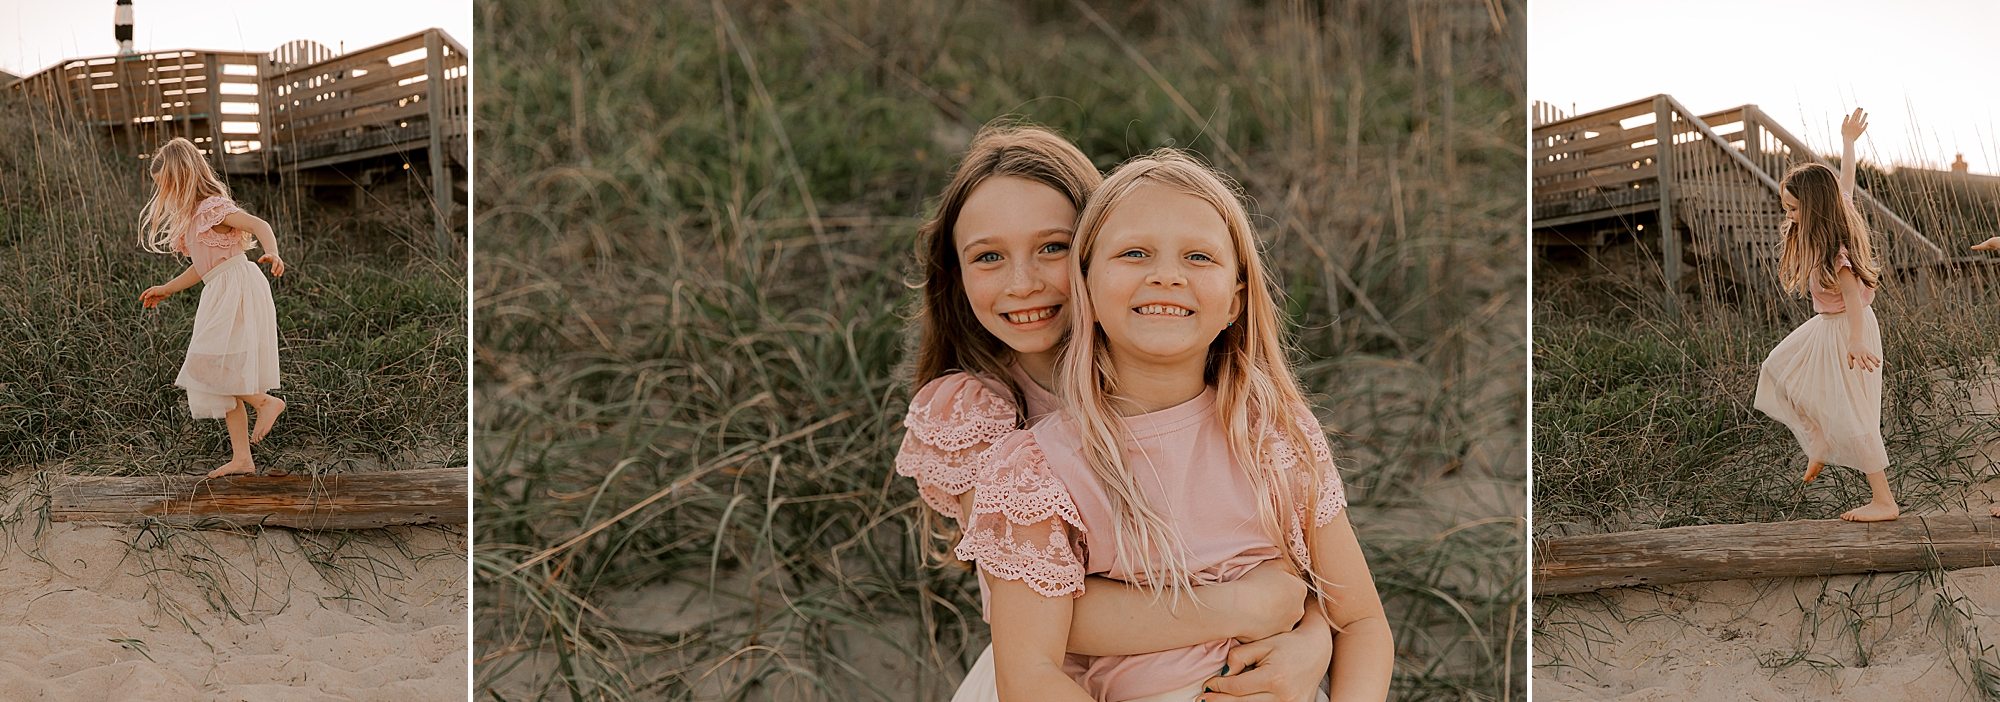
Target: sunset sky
{"type": "Point", "coordinates": [1927, 71]}
{"type": "Point", "coordinates": [35, 34]}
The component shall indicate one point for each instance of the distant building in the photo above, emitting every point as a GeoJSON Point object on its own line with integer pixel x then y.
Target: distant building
{"type": "Point", "coordinates": [1960, 166]}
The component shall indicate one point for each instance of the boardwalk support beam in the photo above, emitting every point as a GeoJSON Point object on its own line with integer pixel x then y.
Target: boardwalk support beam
{"type": "Point", "coordinates": [1670, 239]}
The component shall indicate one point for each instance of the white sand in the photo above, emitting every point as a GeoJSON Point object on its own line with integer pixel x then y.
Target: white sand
{"type": "Point", "coordinates": [104, 613]}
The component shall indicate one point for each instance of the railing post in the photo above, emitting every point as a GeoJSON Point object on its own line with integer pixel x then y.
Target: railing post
{"type": "Point", "coordinates": [434, 97]}
{"type": "Point", "coordinates": [1670, 240]}
{"type": "Point", "coordinates": [1753, 137]}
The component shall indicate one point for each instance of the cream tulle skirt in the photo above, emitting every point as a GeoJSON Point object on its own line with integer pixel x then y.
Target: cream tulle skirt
{"type": "Point", "coordinates": [979, 686]}
{"type": "Point", "coordinates": [1835, 412]}
{"type": "Point", "coordinates": [234, 348]}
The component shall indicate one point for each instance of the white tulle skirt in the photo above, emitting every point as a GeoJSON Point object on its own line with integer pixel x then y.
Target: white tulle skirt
{"type": "Point", "coordinates": [979, 686]}
{"type": "Point", "coordinates": [1835, 412]}
{"type": "Point", "coordinates": [234, 348]}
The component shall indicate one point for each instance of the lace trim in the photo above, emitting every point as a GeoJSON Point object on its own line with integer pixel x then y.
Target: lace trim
{"type": "Point", "coordinates": [1024, 525]}
{"type": "Point", "coordinates": [211, 212]}
{"type": "Point", "coordinates": [951, 422]}
{"type": "Point", "coordinates": [1331, 495]}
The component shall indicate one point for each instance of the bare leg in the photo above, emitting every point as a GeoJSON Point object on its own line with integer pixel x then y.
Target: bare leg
{"type": "Point", "coordinates": [1880, 509]}
{"type": "Point", "coordinates": [239, 444]}
{"type": "Point", "coordinates": [1812, 470]}
{"type": "Point", "coordinates": [268, 408]}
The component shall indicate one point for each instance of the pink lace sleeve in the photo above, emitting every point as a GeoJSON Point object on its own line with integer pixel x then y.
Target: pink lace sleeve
{"type": "Point", "coordinates": [1024, 526]}
{"type": "Point", "coordinates": [1315, 463]}
{"type": "Point", "coordinates": [951, 421]}
{"type": "Point", "coordinates": [1840, 260]}
{"type": "Point", "coordinates": [210, 213]}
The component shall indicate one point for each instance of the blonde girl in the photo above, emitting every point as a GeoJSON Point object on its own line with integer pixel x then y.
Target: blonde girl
{"type": "Point", "coordinates": [990, 326]}
{"type": "Point", "coordinates": [232, 357]}
{"type": "Point", "coordinates": [1182, 455]}
{"type": "Point", "coordinates": [1824, 380]}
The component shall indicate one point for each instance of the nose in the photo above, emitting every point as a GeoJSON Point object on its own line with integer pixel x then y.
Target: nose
{"type": "Point", "coordinates": [1166, 273]}
{"type": "Point", "coordinates": [1022, 281]}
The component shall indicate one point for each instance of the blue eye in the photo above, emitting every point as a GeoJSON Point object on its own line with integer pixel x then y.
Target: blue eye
{"type": "Point", "coordinates": [988, 257]}
{"type": "Point", "coordinates": [1054, 247]}
{"type": "Point", "coordinates": [1200, 257]}
{"type": "Point", "coordinates": [1133, 253]}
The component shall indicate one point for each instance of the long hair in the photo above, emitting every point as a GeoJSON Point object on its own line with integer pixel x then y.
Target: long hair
{"type": "Point", "coordinates": [183, 179]}
{"type": "Point", "coordinates": [1827, 222]}
{"type": "Point", "coordinates": [949, 336]}
{"type": "Point", "coordinates": [1255, 388]}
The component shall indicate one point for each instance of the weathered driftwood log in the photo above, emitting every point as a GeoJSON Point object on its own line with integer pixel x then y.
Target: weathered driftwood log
{"type": "Point", "coordinates": [298, 501]}
{"type": "Point", "coordinates": [1572, 564]}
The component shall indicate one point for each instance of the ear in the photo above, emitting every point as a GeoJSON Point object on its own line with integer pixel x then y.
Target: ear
{"type": "Point", "coordinates": [1237, 302]}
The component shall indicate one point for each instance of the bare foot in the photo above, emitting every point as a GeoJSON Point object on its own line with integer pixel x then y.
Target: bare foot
{"type": "Point", "coordinates": [237, 467]}
{"type": "Point", "coordinates": [267, 415]}
{"type": "Point", "coordinates": [1812, 469]}
{"type": "Point", "coordinates": [1873, 512]}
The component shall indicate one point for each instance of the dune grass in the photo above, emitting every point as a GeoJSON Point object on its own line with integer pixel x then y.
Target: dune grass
{"type": "Point", "coordinates": [371, 326]}
{"type": "Point", "coordinates": [695, 227]}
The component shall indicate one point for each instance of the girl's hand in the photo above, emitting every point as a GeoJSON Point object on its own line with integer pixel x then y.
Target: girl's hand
{"type": "Point", "coordinates": [277, 264]}
{"type": "Point", "coordinates": [1853, 125]}
{"type": "Point", "coordinates": [1992, 244]}
{"type": "Point", "coordinates": [1860, 358]}
{"type": "Point", "coordinates": [153, 295]}
{"type": "Point", "coordinates": [1284, 668]}
{"type": "Point", "coordinates": [1272, 597]}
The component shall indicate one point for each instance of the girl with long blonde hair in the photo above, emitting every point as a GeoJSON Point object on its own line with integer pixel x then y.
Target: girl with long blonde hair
{"type": "Point", "coordinates": [991, 323]}
{"type": "Point", "coordinates": [232, 357]}
{"type": "Point", "coordinates": [1182, 455]}
{"type": "Point", "coordinates": [1824, 381]}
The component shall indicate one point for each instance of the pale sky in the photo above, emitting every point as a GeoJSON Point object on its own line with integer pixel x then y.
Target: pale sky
{"type": "Point", "coordinates": [1927, 71]}
{"type": "Point", "coordinates": [35, 34]}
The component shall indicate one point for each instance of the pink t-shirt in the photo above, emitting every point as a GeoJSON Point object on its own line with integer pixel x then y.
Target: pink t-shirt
{"type": "Point", "coordinates": [1829, 301]}
{"type": "Point", "coordinates": [199, 241]}
{"type": "Point", "coordinates": [1038, 506]}
{"type": "Point", "coordinates": [954, 419]}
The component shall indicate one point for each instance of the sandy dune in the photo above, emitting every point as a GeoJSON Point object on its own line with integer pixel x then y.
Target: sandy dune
{"type": "Point", "coordinates": [102, 613]}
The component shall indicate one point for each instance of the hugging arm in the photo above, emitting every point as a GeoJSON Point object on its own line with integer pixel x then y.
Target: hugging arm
{"type": "Point", "coordinates": [1029, 631]}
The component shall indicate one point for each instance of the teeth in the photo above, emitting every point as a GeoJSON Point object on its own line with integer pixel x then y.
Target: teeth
{"type": "Point", "coordinates": [1166, 310]}
{"type": "Point", "coordinates": [1034, 315]}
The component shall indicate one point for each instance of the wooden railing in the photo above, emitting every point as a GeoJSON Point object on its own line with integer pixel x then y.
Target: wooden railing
{"type": "Point", "coordinates": [378, 100]}
{"type": "Point", "coordinates": [209, 97]}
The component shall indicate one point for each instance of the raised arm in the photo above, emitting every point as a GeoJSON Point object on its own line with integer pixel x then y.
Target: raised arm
{"type": "Point", "coordinates": [1851, 128]}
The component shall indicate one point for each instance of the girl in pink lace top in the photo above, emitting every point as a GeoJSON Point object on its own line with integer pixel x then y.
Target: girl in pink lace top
{"type": "Point", "coordinates": [990, 328]}
{"type": "Point", "coordinates": [1823, 381]}
{"type": "Point", "coordinates": [1203, 463]}
{"type": "Point", "coordinates": [232, 358]}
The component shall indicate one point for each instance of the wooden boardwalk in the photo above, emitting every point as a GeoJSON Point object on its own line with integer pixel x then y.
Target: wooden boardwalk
{"type": "Point", "coordinates": [1714, 177]}
{"type": "Point", "coordinates": [298, 112]}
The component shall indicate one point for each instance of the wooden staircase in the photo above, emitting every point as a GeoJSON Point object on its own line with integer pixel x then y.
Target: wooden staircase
{"type": "Point", "coordinates": [1714, 177]}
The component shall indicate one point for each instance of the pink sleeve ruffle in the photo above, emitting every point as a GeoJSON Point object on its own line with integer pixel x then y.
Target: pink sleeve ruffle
{"type": "Point", "coordinates": [1024, 526]}
{"type": "Point", "coordinates": [210, 213]}
{"type": "Point", "coordinates": [1315, 465]}
{"type": "Point", "coordinates": [951, 421]}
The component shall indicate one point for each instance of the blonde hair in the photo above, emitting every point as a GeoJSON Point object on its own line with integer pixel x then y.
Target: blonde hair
{"type": "Point", "coordinates": [1255, 388]}
{"type": "Point", "coordinates": [182, 179]}
{"type": "Point", "coordinates": [1827, 222]}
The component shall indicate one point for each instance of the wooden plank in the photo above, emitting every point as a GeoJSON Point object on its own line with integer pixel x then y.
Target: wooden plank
{"type": "Point", "coordinates": [306, 132]}
{"type": "Point", "coordinates": [1584, 163]}
{"type": "Point", "coordinates": [1670, 238]}
{"type": "Point", "coordinates": [1821, 547]}
{"type": "Point", "coordinates": [342, 501]}
{"type": "Point", "coordinates": [1604, 140]}
{"type": "Point", "coordinates": [1601, 180]}
{"type": "Point", "coordinates": [434, 152]}
{"type": "Point", "coordinates": [1617, 113]}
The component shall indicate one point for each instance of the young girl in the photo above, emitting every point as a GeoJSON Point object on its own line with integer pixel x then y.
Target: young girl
{"type": "Point", "coordinates": [232, 357]}
{"type": "Point", "coordinates": [1182, 455]}
{"type": "Point", "coordinates": [991, 324]}
{"type": "Point", "coordinates": [1822, 381]}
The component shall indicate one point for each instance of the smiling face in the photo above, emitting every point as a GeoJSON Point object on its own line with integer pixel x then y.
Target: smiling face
{"type": "Point", "coordinates": [1163, 278]}
{"type": "Point", "coordinates": [1013, 239]}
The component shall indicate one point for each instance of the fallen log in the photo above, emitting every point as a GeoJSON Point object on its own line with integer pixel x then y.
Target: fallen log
{"type": "Point", "coordinates": [298, 501]}
{"type": "Point", "coordinates": [1572, 564]}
